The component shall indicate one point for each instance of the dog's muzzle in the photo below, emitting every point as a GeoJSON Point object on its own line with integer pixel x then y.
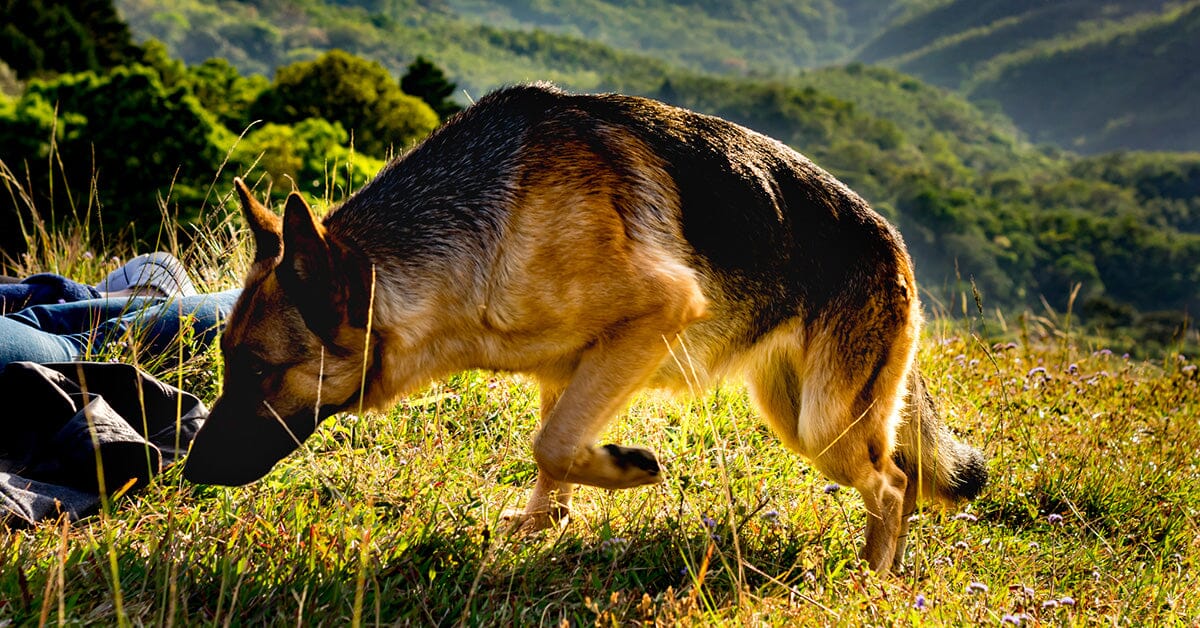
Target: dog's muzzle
{"type": "Point", "coordinates": [236, 447]}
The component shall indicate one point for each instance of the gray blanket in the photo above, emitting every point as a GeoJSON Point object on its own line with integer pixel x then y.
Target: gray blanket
{"type": "Point", "coordinates": [72, 430]}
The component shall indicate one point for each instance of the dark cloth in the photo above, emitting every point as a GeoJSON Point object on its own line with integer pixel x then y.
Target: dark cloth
{"type": "Point", "coordinates": [62, 422]}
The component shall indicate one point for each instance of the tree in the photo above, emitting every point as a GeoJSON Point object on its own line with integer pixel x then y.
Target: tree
{"type": "Point", "coordinates": [427, 82]}
{"type": "Point", "coordinates": [311, 155]}
{"type": "Point", "coordinates": [224, 92]}
{"type": "Point", "coordinates": [43, 37]}
{"type": "Point", "coordinates": [138, 139]}
{"type": "Point", "coordinates": [359, 94]}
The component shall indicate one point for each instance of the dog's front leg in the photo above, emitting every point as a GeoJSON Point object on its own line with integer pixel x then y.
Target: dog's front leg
{"type": "Point", "coordinates": [608, 374]}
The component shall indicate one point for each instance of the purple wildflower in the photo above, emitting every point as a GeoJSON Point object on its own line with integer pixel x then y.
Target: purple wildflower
{"type": "Point", "coordinates": [831, 488]}
{"type": "Point", "coordinates": [919, 603]}
{"type": "Point", "coordinates": [977, 587]}
{"type": "Point", "coordinates": [1010, 619]}
{"type": "Point", "coordinates": [708, 522]}
{"type": "Point", "coordinates": [1050, 604]}
{"type": "Point", "coordinates": [1037, 370]}
{"type": "Point", "coordinates": [1054, 519]}
{"type": "Point", "coordinates": [614, 543]}
{"type": "Point", "coordinates": [965, 516]}
{"type": "Point", "coordinates": [1066, 600]}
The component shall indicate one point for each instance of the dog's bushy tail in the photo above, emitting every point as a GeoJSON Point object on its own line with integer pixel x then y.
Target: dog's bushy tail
{"type": "Point", "coordinates": [949, 470]}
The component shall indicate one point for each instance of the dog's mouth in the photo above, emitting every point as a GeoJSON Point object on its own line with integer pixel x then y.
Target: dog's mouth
{"type": "Point", "coordinates": [235, 448]}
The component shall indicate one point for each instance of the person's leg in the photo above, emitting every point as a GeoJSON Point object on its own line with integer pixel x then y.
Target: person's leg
{"type": "Point", "coordinates": [158, 326]}
{"type": "Point", "coordinates": [21, 342]}
{"type": "Point", "coordinates": [75, 331]}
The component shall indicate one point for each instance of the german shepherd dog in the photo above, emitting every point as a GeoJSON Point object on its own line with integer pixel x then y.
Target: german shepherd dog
{"type": "Point", "coordinates": [601, 244]}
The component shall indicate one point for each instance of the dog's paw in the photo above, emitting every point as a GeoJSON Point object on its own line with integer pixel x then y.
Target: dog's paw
{"type": "Point", "coordinates": [638, 466]}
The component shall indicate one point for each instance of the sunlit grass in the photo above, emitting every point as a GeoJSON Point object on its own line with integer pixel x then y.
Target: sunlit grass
{"type": "Point", "coordinates": [1090, 516]}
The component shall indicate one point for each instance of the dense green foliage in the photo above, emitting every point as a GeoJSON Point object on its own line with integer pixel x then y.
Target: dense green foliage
{"type": "Point", "coordinates": [429, 83]}
{"type": "Point", "coordinates": [359, 94]}
{"type": "Point", "coordinates": [125, 149]}
{"type": "Point", "coordinates": [39, 37]}
{"type": "Point", "coordinates": [109, 146]}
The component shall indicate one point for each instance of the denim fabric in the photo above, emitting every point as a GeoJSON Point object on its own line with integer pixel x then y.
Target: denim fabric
{"type": "Point", "coordinates": [43, 289]}
{"type": "Point", "coordinates": [64, 332]}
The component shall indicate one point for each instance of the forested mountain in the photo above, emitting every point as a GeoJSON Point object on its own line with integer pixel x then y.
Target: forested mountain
{"type": "Point", "coordinates": [739, 36]}
{"type": "Point", "coordinates": [1125, 61]}
{"type": "Point", "coordinates": [974, 199]}
{"type": "Point", "coordinates": [1132, 87]}
{"type": "Point", "coordinates": [1090, 76]}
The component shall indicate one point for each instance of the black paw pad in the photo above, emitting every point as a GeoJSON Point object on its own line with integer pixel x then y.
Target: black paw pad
{"type": "Point", "coordinates": [626, 457]}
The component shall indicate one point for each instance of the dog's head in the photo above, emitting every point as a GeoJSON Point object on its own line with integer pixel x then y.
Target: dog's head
{"type": "Point", "coordinates": [296, 347]}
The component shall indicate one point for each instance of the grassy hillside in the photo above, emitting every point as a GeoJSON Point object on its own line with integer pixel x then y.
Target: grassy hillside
{"type": "Point", "coordinates": [947, 43]}
{"type": "Point", "coordinates": [395, 517]}
{"type": "Point", "coordinates": [257, 38]}
{"type": "Point", "coordinates": [740, 37]}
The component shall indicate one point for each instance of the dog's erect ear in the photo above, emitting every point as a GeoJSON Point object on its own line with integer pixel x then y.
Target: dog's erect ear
{"type": "Point", "coordinates": [306, 252]}
{"type": "Point", "coordinates": [322, 277]}
{"type": "Point", "coordinates": [265, 225]}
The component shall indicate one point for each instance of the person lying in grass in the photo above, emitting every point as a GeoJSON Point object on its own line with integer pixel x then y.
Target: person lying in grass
{"type": "Point", "coordinates": [49, 318]}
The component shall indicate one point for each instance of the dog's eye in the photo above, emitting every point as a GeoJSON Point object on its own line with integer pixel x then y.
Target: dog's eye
{"type": "Point", "coordinates": [257, 367]}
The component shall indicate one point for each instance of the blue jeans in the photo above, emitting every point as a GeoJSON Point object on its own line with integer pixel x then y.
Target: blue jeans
{"type": "Point", "coordinates": [64, 332]}
{"type": "Point", "coordinates": [42, 289]}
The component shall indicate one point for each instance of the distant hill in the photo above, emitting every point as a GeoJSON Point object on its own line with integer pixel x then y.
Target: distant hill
{"type": "Point", "coordinates": [1016, 55]}
{"type": "Point", "coordinates": [756, 37]}
{"type": "Point", "coordinates": [1132, 87]}
{"type": "Point", "coordinates": [1085, 75]}
{"type": "Point", "coordinates": [947, 44]}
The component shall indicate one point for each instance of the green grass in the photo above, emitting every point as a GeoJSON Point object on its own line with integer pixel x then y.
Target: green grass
{"type": "Point", "coordinates": [395, 517]}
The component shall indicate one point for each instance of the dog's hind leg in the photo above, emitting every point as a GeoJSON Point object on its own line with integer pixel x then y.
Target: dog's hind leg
{"type": "Point", "coordinates": [836, 398]}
